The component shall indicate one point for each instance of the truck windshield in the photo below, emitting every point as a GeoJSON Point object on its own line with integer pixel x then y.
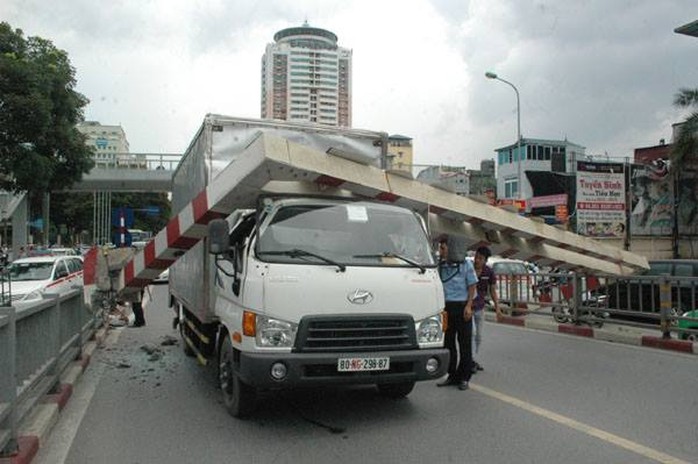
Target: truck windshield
{"type": "Point", "coordinates": [360, 233]}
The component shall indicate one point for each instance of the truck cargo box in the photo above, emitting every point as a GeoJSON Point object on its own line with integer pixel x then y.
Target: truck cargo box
{"type": "Point", "coordinates": [219, 141]}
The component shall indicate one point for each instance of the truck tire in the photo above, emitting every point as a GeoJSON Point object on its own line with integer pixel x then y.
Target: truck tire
{"type": "Point", "coordinates": [239, 399]}
{"type": "Point", "coordinates": [395, 390]}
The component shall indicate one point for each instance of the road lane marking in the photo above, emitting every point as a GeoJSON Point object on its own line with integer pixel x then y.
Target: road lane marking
{"type": "Point", "coordinates": [582, 427]}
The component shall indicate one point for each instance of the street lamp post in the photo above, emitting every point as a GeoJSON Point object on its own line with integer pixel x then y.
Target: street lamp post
{"type": "Point", "coordinates": [519, 180]}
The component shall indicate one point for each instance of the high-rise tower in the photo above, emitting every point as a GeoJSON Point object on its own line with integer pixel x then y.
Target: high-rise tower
{"type": "Point", "coordinates": [306, 77]}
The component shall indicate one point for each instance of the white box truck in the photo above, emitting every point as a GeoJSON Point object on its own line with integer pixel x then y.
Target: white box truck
{"type": "Point", "coordinates": [309, 286]}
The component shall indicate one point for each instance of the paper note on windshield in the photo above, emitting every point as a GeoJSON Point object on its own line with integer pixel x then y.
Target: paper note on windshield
{"type": "Point", "coordinates": [357, 213]}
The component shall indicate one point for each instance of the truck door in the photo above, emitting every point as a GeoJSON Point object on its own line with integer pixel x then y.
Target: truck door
{"type": "Point", "coordinates": [239, 240]}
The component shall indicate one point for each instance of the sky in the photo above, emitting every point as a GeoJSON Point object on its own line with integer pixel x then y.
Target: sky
{"type": "Point", "coordinates": [599, 73]}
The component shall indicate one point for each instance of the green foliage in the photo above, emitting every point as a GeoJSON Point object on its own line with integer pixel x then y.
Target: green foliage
{"type": "Point", "coordinates": [40, 147]}
{"type": "Point", "coordinates": [685, 145]}
{"type": "Point", "coordinates": [141, 200]}
{"type": "Point", "coordinates": [74, 211]}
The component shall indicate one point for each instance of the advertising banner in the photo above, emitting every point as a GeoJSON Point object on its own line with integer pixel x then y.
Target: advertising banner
{"type": "Point", "coordinates": [651, 210]}
{"type": "Point", "coordinates": [548, 200]}
{"type": "Point", "coordinates": [600, 199]}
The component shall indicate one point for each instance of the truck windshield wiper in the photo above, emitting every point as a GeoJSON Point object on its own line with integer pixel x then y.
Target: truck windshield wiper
{"type": "Point", "coordinates": [298, 253]}
{"type": "Point", "coordinates": [388, 254]}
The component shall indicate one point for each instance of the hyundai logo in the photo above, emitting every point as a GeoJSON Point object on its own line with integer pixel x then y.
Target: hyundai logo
{"type": "Point", "coordinates": [360, 297]}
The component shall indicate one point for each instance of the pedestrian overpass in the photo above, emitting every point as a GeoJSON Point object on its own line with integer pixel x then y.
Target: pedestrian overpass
{"type": "Point", "coordinates": [137, 172]}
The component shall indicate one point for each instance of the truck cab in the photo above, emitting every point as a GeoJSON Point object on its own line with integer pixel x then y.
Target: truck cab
{"type": "Point", "coordinates": [320, 291]}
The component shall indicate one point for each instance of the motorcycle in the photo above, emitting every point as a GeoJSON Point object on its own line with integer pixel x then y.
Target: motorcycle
{"type": "Point", "coordinates": [591, 311]}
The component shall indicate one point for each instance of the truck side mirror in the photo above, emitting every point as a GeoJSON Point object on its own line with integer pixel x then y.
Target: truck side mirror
{"type": "Point", "coordinates": [218, 237]}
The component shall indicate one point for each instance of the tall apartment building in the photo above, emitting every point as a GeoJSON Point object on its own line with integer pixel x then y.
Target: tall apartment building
{"type": "Point", "coordinates": [306, 77]}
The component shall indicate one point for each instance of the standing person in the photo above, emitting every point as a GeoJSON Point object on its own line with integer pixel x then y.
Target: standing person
{"type": "Point", "coordinates": [139, 319]}
{"type": "Point", "coordinates": [486, 288]}
{"type": "Point", "coordinates": [136, 300]}
{"type": "Point", "coordinates": [459, 280]}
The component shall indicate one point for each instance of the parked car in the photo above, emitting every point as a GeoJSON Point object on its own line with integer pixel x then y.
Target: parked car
{"type": "Point", "coordinates": [56, 251]}
{"type": "Point", "coordinates": [30, 278]}
{"type": "Point", "coordinates": [641, 294]}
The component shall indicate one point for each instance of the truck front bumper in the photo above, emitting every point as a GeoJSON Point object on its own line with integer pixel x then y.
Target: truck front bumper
{"type": "Point", "coordinates": [317, 369]}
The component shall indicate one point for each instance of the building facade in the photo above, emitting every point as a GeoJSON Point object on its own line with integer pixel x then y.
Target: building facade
{"type": "Point", "coordinates": [483, 182]}
{"type": "Point", "coordinates": [453, 178]}
{"type": "Point", "coordinates": [400, 153]}
{"type": "Point", "coordinates": [109, 142]}
{"type": "Point", "coordinates": [533, 155]}
{"type": "Point", "coordinates": [461, 180]}
{"type": "Point", "coordinates": [306, 77]}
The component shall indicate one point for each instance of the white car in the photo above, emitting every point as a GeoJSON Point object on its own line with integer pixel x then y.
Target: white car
{"type": "Point", "coordinates": [62, 252]}
{"type": "Point", "coordinates": [30, 278]}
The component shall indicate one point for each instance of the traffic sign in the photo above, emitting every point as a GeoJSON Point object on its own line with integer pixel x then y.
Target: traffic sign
{"type": "Point", "coordinates": [119, 214]}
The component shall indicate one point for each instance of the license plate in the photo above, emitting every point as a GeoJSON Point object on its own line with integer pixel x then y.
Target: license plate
{"type": "Point", "coordinates": [363, 364]}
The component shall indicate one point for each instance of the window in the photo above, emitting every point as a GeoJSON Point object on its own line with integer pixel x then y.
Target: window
{"type": "Point", "coordinates": [511, 188]}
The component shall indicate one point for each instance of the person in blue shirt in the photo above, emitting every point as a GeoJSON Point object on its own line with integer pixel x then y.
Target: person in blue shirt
{"type": "Point", "coordinates": [459, 283]}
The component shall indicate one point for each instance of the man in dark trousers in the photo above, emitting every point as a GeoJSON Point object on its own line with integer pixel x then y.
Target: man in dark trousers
{"type": "Point", "coordinates": [486, 289]}
{"type": "Point", "coordinates": [136, 300]}
{"type": "Point", "coordinates": [138, 319]}
{"type": "Point", "coordinates": [459, 281]}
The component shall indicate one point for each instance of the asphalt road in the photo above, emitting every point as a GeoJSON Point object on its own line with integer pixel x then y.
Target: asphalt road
{"type": "Point", "coordinates": [543, 398]}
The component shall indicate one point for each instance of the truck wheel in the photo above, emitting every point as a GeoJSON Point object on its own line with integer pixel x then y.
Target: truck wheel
{"type": "Point", "coordinates": [239, 399]}
{"type": "Point", "coordinates": [395, 390]}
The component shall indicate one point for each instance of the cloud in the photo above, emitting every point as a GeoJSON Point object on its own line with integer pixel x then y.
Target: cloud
{"type": "Point", "coordinates": [600, 73]}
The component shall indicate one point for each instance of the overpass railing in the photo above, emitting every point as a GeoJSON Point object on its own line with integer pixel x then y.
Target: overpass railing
{"type": "Point", "coordinates": [38, 341]}
{"type": "Point", "coordinates": [140, 161]}
{"type": "Point", "coordinates": [666, 303]}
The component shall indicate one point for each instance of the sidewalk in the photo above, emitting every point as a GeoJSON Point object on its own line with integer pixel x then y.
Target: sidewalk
{"type": "Point", "coordinates": [36, 427]}
{"type": "Point", "coordinates": [610, 332]}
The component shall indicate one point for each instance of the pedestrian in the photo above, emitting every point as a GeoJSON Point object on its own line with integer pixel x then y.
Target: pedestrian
{"type": "Point", "coordinates": [459, 281]}
{"type": "Point", "coordinates": [136, 300]}
{"type": "Point", "coordinates": [486, 290]}
{"type": "Point", "coordinates": [138, 318]}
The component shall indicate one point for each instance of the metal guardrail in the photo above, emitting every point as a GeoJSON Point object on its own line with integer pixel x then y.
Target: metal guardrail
{"type": "Point", "coordinates": [667, 303]}
{"type": "Point", "coordinates": [140, 161]}
{"type": "Point", "coordinates": [38, 341]}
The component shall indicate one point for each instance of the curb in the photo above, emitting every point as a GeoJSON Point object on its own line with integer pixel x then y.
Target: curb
{"type": "Point", "coordinates": [621, 334]}
{"type": "Point", "coordinates": [35, 428]}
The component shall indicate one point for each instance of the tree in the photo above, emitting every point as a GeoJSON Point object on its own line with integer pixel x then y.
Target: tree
{"type": "Point", "coordinates": [683, 158]}
{"type": "Point", "coordinates": [139, 201]}
{"type": "Point", "coordinates": [686, 142]}
{"type": "Point", "coordinates": [40, 147]}
{"type": "Point", "coordinates": [73, 211]}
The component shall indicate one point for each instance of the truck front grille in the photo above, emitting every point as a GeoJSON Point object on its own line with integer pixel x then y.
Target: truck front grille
{"type": "Point", "coordinates": [355, 333]}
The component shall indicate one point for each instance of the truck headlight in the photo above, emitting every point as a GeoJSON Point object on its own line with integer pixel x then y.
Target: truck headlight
{"type": "Point", "coordinates": [430, 331]}
{"type": "Point", "coordinates": [275, 333]}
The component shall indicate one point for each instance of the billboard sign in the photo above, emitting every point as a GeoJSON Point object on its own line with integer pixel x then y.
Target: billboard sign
{"type": "Point", "coordinates": [600, 199]}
